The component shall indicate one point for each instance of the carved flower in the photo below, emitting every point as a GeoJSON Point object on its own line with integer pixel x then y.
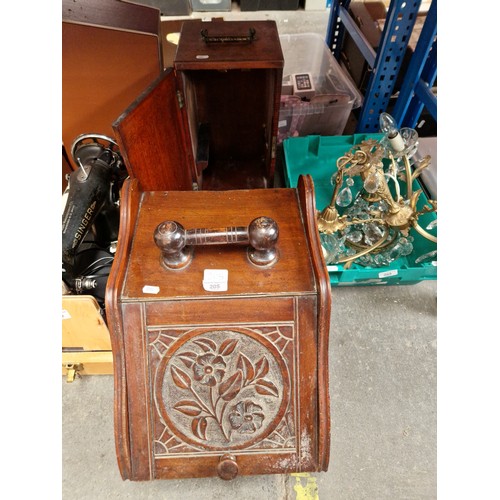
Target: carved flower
{"type": "Point", "coordinates": [246, 417]}
{"type": "Point", "coordinates": [209, 369]}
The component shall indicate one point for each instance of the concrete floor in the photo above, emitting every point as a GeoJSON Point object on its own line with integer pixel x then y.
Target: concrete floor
{"type": "Point", "coordinates": [382, 385]}
{"type": "Point", "coordinates": [383, 414]}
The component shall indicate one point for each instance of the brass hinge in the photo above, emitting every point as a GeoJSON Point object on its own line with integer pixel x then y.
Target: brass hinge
{"type": "Point", "coordinates": [73, 371]}
{"type": "Point", "coordinates": [180, 99]}
{"type": "Point", "coordinates": [273, 148]}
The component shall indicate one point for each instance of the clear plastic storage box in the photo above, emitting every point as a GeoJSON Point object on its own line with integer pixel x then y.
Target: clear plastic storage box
{"type": "Point", "coordinates": [211, 5]}
{"type": "Point", "coordinates": [324, 107]}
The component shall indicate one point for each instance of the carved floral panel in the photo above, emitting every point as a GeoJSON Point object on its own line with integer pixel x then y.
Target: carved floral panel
{"type": "Point", "coordinates": [223, 389]}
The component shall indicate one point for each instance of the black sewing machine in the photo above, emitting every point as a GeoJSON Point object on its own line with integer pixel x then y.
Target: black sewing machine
{"type": "Point", "coordinates": [90, 219]}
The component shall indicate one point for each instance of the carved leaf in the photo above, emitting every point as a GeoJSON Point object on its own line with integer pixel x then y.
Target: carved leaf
{"type": "Point", "coordinates": [227, 347]}
{"type": "Point", "coordinates": [261, 367]}
{"type": "Point", "coordinates": [187, 358]}
{"type": "Point", "coordinates": [180, 378]}
{"type": "Point", "coordinates": [266, 388]}
{"type": "Point", "coordinates": [246, 366]}
{"type": "Point", "coordinates": [206, 344]}
{"type": "Point", "coordinates": [199, 427]}
{"type": "Point", "coordinates": [230, 388]}
{"type": "Point", "coordinates": [190, 408]}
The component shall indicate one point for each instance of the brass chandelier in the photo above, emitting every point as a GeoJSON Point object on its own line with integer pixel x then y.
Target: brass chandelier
{"type": "Point", "coordinates": [374, 206]}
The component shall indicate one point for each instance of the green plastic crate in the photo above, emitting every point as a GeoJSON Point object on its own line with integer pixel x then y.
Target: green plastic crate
{"type": "Point", "coordinates": [317, 156]}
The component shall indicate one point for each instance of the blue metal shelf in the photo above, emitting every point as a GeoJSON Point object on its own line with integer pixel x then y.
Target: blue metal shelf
{"type": "Point", "coordinates": [415, 90]}
{"type": "Point", "coordinates": [387, 60]}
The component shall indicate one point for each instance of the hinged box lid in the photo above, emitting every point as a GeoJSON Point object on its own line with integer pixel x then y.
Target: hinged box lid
{"type": "Point", "coordinates": [148, 280]}
{"type": "Point", "coordinates": [246, 44]}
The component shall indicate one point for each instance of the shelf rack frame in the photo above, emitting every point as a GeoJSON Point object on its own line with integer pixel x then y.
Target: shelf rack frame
{"type": "Point", "coordinates": [387, 60]}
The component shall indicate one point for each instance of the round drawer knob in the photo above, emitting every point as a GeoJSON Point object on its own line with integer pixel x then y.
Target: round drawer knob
{"type": "Point", "coordinates": [227, 467]}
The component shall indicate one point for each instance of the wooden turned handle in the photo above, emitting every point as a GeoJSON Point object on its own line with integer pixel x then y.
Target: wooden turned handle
{"type": "Point", "coordinates": [227, 468]}
{"type": "Point", "coordinates": [176, 243]}
{"type": "Point", "coordinates": [228, 38]}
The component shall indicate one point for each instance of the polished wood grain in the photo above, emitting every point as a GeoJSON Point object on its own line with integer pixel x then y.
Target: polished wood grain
{"type": "Point", "coordinates": [307, 200]}
{"type": "Point", "coordinates": [152, 139]}
{"type": "Point", "coordinates": [291, 274]}
{"type": "Point", "coordinates": [130, 198]}
{"type": "Point", "coordinates": [267, 334]}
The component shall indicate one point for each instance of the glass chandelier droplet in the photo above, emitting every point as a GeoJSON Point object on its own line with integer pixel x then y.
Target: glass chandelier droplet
{"type": "Point", "coordinates": [344, 198]}
{"type": "Point", "coordinates": [432, 225]}
{"type": "Point", "coordinates": [371, 183]}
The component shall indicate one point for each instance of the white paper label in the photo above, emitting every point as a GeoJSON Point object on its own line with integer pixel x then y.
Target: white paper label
{"type": "Point", "coordinates": [66, 314]}
{"type": "Point", "coordinates": [215, 280]}
{"type": "Point", "coordinates": [386, 274]}
{"type": "Point", "coordinates": [150, 289]}
{"type": "Point", "coordinates": [282, 123]}
{"type": "Point", "coordinates": [366, 282]}
{"type": "Point", "coordinates": [332, 268]}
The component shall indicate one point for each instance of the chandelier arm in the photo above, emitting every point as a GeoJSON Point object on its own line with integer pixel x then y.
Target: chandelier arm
{"type": "Point", "coordinates": [426, 209]}
{"type": "Point", "coordinates": [424, 233]}
{"type": "Point", "coordinates": [355, 220]}
{"type": "Point", "coordinates": [423, 165]}
{"type": "Point", "coordinates": [394, 169]}
{"type": "Point", "coordinates": [409, 188]}
{"type": "Point", "coordinates": [339, 179]}
{"type": "Point", "coordinates": [353, 161]}
{"type": "Point", "coordinates": [396, 186]}
{"type": "Point", "coordinates": [352, 258]}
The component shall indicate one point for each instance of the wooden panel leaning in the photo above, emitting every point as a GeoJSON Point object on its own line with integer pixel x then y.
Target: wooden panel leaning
{"type": "Point", "coordinates": [111, 51]}
{"type": "Point", "coordinates": [221, 358]}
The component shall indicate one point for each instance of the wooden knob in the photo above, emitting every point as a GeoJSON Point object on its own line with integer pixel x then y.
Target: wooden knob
{"type": "Point", "coordinates": [263, 234]}
{"type": "Point", "coordinates": [227, 467]}
{"type": "Point", "coordinates": [170, 238]}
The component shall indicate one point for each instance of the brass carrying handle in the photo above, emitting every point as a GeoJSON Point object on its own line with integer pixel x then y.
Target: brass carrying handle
{"type": "Point", "coordinates": [176, 243]}
{"type": "Point", "coordinates": [228, 38]}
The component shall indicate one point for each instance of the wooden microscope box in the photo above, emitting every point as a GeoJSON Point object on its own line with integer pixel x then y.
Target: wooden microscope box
{"type": "Point", "coordinates": [221, 366]}
{"type": "Point", "coordinates": [86, 346]}
{"type": "Point", "coordinates": [215, 112]}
